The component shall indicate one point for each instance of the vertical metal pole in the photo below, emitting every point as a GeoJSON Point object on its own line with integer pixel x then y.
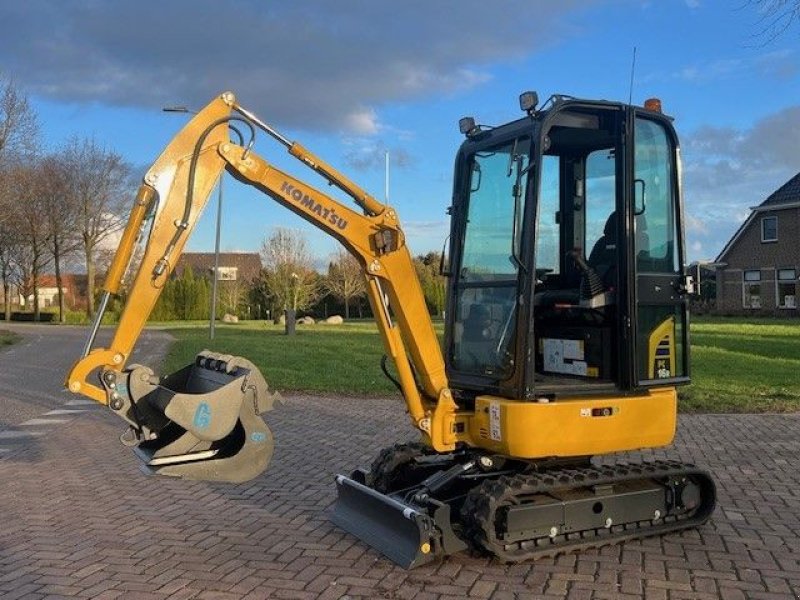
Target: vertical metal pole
{"type": "Point", "coordinates": [215, 276]}
{"type": "Point", "coordinates": [386, 180]}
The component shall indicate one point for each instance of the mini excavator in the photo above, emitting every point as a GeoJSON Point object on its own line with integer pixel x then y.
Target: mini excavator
{"type": "Point", "coordinates": [566, 335]}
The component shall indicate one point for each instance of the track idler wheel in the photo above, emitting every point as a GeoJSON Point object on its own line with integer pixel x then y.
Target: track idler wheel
{"type": "Point", "coordinates": [396, 467]}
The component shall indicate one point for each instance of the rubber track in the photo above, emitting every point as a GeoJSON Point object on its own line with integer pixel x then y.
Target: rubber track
{"type": "Point", "coordinates": [385, 467]}
{"type": "Point", "coordinates": [479, 512]}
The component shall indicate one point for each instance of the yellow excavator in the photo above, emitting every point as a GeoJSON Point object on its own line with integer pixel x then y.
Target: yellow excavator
{"type": "Point", "coordinates": [566, 334]}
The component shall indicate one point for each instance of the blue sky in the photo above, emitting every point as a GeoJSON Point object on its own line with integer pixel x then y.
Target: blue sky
{"type": "Point", "coordinates": [375, 76]}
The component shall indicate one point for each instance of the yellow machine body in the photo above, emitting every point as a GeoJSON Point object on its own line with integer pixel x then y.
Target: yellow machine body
{"type": "Point", "coordinates": [583, 426]}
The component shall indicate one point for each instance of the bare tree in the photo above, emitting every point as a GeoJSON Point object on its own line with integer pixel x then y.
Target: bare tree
{"type": "Point", "coordinates": [62, 213]}
{"type": "Point", "coordinates": [8, 235]}
{"type": "Point", "coordinates": [775, 17]}
{"type": "Point", "coordinates": [98, 187]}
{"type": "Point", "coordinates": [9, 241]}
{"type": "Point", "coordinates": [21, 269]}
{"type": "Point", "coordinates": [289, 277]}
{"type": "Point", "coordinates": [18, 139]}
{"type": "Point", "coordinates": [18, 127]}
{"type": "Point", "coordinates": [345, 279]}
{"type": "Point", "coordinates": [33, 226]}
{"type": "Point", "coordinates": [232, 296]}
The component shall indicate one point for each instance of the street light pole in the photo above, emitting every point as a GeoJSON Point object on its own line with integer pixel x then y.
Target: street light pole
{"type": "Point", "coordinates": [215, 277]}
{"type": "Point", "coordinates": [213, 320]}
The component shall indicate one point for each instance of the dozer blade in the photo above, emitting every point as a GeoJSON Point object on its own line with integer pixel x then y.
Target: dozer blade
{"type": "Point", "coordinates": [408, 535]}
{"type": "Point", "coordinates": [203, 421]}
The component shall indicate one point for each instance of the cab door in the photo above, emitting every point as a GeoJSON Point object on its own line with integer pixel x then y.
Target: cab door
{"type": "Point", "coordinates": [661, 305]}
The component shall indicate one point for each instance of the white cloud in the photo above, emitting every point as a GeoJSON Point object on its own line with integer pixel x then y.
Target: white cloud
{"type": "Point", "coordinates": [363, 121]}
{"type": "Point", "coordinates": [364, 154]}
{"type": "Point", "coordinates": [695, 225]}
{"type": "Point", "coordinates": [729, 170]}
{"type": "Point", "coordinates": [301, 64]}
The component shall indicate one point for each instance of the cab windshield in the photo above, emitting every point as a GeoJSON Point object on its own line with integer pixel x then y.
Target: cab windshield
{"type": "Point", "coordinates": [486, 281]}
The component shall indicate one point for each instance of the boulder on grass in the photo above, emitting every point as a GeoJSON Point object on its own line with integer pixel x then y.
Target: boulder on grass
{"type": "Point", "coordinates": [334, 320]}
{"type": "Point", "coordinates": [229, 318]}
{"type": "Point", "coordinates": [305, 321]}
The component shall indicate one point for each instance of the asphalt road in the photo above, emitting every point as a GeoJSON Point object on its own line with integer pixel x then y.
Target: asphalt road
{"type": "Point", "coordinates": [32, 372]}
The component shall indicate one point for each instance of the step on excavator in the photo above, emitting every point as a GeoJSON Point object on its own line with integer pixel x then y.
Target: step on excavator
{"type": "Point", "coordinates": [566, 334]}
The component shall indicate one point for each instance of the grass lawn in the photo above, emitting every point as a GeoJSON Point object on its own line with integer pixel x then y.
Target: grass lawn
{"type": "Point", "coordinates": [737, 365]}
{"type": "Point", "coordinates": [743, 366]}
{"type": "Point", "coordinates": [7, 337]}
{"type": "Point", "coordinates": [340, 359]}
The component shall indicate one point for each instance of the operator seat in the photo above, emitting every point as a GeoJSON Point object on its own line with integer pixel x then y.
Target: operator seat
{"type": "Point", "coordinates": [476, 338]}
{"type": "Point", "coordinates": [603, 257]}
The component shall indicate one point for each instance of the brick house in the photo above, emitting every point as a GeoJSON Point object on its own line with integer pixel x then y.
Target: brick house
{"type": "Point", "coordinates": [759, 267]}
{"type": "Point", "coordinates": [235, 277]}
{"type": "Point", "coordinates": [242, 267]}
{"type": "Point", "coordinates": [73, 286]}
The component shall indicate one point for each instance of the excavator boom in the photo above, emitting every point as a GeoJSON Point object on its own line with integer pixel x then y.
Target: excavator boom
{"type": "Point", "coordinates": [204, 421]}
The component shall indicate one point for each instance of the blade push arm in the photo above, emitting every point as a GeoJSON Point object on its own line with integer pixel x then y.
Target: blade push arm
{"type": "Point", "coordinates": [175, 191]}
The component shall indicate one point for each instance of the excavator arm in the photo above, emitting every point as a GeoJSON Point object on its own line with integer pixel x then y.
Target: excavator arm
{"type": "Point", "coordinates": [169, 202]}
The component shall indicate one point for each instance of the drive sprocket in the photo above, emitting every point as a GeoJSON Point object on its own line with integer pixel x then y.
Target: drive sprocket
{"type": "Point", "coordinates": [396, 468]}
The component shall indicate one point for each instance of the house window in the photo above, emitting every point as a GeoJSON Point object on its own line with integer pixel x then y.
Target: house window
{"type": "Point", "coordinates": [769, 229]}
{"type": "Point", "coordinates": [752, 289]}
{"type": "Point", "coordinates": [226, 273]}
{"type": "Point", "coordinates": [787, 288]}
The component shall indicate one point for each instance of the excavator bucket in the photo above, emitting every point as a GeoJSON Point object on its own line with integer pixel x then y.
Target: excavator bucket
{"type": "Point", "coordinates": [407, 534]}
{"type": "Point", "coordinates": [203, 421]}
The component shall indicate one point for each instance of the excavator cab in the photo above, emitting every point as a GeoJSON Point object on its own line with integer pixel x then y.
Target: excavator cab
{"type": "Point", "coordinates": [567, 257]}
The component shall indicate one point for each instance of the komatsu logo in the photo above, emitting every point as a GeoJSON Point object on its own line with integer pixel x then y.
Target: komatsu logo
{"type": "Point", "coordinates": [307, 202]}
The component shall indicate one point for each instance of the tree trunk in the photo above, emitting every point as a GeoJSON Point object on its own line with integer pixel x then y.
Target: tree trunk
{"type": "Point", "coordinates": [35, 277]}
{"type": "Point", "coordinates": [89, 282]}
{"type": "Point", "coordinates": [346, 309]}
{"type": "Point", "coordinates": [291, 321]}
{"type": "Point", "coordinates": [59, 287]}
{"type": "Point", "coordinates": [7, 299]}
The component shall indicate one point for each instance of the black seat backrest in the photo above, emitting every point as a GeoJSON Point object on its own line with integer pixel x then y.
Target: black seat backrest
{"type": "Point", "coordinates": [603, 257]}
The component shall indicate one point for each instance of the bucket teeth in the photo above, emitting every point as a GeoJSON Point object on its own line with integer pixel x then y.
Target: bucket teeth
{"type": "Point", "coordinates": [203, 421]}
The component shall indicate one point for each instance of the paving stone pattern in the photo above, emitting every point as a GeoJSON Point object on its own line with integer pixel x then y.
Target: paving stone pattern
{"type": "Point", "coordinates": [79, 519]}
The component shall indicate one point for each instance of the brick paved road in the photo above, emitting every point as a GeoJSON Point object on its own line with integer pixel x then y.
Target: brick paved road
{"type": "Point", "coordinates": [79, 519]}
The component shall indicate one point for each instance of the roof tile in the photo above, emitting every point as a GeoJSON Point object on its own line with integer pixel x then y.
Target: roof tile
{"type": "Point", "coordinates": [248, 263]}
{"type": "Point", "coordinates": [787, 193]}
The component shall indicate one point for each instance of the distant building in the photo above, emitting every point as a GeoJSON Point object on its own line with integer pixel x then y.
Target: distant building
{"type": "Point", "coordinates": [236, 274]}
{"type": "Point", "coordinates": [241, 267]}
{"type": "Point", "coordinates": [73, 286]}
{"type": "Point", "coordinates": [759, 266]}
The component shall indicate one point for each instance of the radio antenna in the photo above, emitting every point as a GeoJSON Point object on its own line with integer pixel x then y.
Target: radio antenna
{"type": "Point", "coordinates": [633, 71]}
